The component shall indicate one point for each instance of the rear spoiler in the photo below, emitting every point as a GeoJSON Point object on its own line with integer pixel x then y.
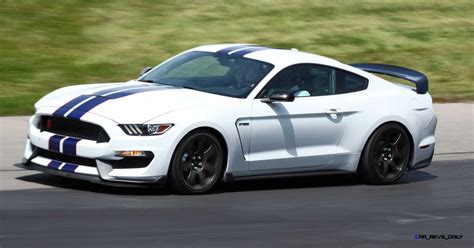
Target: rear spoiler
{"type": "Point", "coordinates": [420, 79]}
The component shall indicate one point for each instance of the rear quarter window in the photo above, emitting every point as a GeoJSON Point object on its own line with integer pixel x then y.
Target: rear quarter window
{"type": "Point", "coordinates": [347, 82]}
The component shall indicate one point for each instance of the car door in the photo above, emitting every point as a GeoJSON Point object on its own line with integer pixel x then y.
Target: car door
{"type": "Point", "coordinates": [298, 135]}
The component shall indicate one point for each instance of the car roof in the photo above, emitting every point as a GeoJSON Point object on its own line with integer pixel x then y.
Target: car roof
{"type": "Point", "coordinates": [282, 58]}
{"type": "Point", "coordinates": [275, 56]}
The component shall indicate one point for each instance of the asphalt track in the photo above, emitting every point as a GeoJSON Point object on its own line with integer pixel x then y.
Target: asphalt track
{"type": "Point", "coordinates": [40, 210]}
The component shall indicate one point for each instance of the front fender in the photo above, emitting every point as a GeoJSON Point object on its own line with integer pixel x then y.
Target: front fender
{"type": "Point", "coordinates": [221, 121]}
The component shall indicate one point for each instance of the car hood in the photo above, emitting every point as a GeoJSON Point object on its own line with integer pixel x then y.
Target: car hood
{"type": "Point", "coordinates": [131, 102]}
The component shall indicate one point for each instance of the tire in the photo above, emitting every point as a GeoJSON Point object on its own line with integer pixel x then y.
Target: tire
{"type": "Point", "coordinates": [386, 155]}
{"type": "Point", "coordinates": [197, 163]}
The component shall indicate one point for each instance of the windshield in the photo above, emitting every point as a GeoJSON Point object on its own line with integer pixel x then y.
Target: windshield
{"type": "Point", "coordinates": [216, 73]}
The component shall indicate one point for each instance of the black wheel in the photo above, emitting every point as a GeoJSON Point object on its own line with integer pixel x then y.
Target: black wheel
{"type": "Point", "coordinates": [386, 155]}
{"type": "Point", "coordinates": [197, 163]}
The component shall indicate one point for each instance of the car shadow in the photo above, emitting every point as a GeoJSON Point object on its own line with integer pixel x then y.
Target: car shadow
{"type": "Point", "coordinates": [319, 181]}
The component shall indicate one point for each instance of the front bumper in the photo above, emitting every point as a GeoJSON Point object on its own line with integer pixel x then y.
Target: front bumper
{"type": "Point", "coordinates": [101, 152]}
{"type": "Point", "coordinates": [423, 163]}
{"type": "Point", "coordinates": [159, 181]}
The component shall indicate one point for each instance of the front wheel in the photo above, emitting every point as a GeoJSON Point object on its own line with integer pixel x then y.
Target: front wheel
{"type": "Point", "coordinates": [197, 163]}
{"type": "Point", "coordinates": [386, 155]}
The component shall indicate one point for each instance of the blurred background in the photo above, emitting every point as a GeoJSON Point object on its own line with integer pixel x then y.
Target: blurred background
{"type": "Point", "coordinates": [45, 45]}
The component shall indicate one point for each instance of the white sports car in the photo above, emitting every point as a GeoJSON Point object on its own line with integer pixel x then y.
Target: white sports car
{"type": "Point", "coordinates": [229, 112]}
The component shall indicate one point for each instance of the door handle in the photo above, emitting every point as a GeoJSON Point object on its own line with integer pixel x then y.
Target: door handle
{"type": "Point", "coordinates": [333, 113]}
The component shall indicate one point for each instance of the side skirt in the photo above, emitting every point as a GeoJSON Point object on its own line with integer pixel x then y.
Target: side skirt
{"type": "Point", "coordinates": [229, 177]}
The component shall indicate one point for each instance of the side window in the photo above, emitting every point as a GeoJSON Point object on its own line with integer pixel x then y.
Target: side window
{"type": "Point", "coordinates": [303, 81]}
{"type": "Point", "coordinates": [348, 82]}
{"type": "Point", "coordinates": [314, 80]}
{"type": "Point", "coordinates": [324, 80]}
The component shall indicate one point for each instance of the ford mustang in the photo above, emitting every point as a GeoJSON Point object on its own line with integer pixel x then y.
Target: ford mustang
{"type": "Point", "coordinates": [232, 112]}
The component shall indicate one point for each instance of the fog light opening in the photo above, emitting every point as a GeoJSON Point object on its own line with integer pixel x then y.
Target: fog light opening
{"type": "Point", "coordinates": [131, 154]}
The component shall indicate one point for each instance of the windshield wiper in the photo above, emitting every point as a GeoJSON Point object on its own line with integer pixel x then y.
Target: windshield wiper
{"type": "Point", "coordinates": [146, 81]}
{"type": "Point", "coordinates": [188, 87]}
{"type": "Point", "coordinates": [154, 82]}
{"type": "Point", "coordinates": [174, 85]}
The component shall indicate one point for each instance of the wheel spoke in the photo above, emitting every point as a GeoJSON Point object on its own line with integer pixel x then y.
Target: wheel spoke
{"type": "Point", "coordinates": [384, 169]}
{"type": "Point", "coordinates": [209, 154]}
{"type": "Point", "coordinates": [202, 178]}
{"type": "Point", "coordinates": [208, 150]}
{"type": "Point", "coordinates": [191, 177]}
{"type": "Point", "coordinates": [397, 138]}
{"type": "Point", "coordinates": [394, 167]}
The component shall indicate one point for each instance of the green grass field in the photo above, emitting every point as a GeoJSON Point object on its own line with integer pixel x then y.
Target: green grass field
{"type": "Point", "coordinates": [45, 45]}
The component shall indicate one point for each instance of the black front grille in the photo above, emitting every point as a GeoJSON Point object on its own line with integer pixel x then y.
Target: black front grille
{"type": "Point", "coordinates": [66, 158]}
{"type": "Point", "coordinates": [73, 128]}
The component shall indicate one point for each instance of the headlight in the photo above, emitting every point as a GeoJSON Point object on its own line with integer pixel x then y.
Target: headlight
{"type": "Point", "coordinates": [145, 129]}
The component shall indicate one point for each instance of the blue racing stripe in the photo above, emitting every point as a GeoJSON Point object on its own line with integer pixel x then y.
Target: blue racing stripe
{"type": "Point", "coordinates": [78, 112]}
{"type": "Point", "coordinates": [54, 142]}
{"type": "Point", "coordinates": [54, 164]}
{"type": "Point", "coordinates": [249, 50]}
{"type": "Point", "coordinates": [82, 109]}
{"type": "Point", "coordinates": [132, 91]}
{"type": "Point", "coordinates": [70, 145]}
{"type": "Point", "coordinates": [232, 48]}
{"type": "Point", "coordinates": [61, 111]}
{"type": "Point", "coordinates": [107, 91]}
{"type": "Point", "coordinates": [69, 167]}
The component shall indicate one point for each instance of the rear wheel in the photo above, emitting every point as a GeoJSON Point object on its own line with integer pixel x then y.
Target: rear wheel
{"type": "Point", "coordinates": [386, 155]}
{"type": "Point", "coordinates": [197, 163]}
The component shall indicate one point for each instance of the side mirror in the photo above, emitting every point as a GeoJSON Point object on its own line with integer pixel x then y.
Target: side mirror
{"type": "Point", "coordinates": [145, 70]}
{"type": "Point", "coordinates": [280, 96]}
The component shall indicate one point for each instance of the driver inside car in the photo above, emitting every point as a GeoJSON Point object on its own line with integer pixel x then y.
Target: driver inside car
{"type": "Point", "coordinates": [245, 74]}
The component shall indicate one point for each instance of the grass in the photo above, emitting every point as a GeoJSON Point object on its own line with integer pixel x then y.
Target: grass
{"type": "Point", "coordinates": [45, 45]}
